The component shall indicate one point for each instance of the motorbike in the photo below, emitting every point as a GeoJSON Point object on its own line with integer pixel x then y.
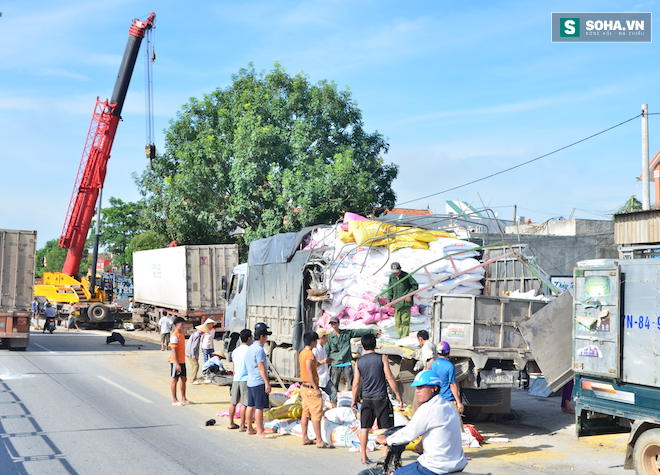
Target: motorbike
{"type": "Point", "coordinates": [392, 460]}
{"type": "Point", "coordinates": [49, 325]}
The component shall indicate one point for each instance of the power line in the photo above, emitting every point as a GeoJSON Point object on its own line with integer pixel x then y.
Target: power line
{"type": "Point", "coordinates": [523, 163]}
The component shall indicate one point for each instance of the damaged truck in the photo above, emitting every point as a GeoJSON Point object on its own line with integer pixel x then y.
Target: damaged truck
{"type": "Point", "coordinates": [283, 284]}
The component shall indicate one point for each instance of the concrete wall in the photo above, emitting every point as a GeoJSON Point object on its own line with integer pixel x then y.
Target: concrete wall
{"type": "Point", "coordinates": [564, 227]}
{"type": "Point", "coordinates": [558, 255]}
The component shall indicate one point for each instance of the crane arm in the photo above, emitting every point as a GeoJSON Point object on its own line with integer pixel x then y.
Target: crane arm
{"type": "Point", "coordinates": [96, 153]}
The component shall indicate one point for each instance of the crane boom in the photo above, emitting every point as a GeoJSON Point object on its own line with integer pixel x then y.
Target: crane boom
{"type": "Point", "coordinates": [96, 153]}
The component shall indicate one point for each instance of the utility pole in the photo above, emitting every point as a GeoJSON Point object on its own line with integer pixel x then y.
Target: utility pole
{"type": "Point", "coordinates": [646, 196]}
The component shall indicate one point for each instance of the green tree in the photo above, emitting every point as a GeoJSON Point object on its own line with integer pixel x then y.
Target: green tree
{"type": "Point", "coordinates": [145, 241]}
{"type": "Point", "coordinates": [51, 257]}
{"type": "Point", "coordinates": [632, 204]}
{"type": "Point", "coordinates": [120, 222]}
{"type": "Point", "coordinates": [269, 153]}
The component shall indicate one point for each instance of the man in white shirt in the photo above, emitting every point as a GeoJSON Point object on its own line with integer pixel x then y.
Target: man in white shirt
{"type": "Point", "coordinates": [438, 424]}
{"type": "Point", "coordinates": [165, 324]}
{"type": "Point", "coordinates": [239, 388]}
{"type": "Point", "coordinates": [426, 353]}
{"type": "Point", "coordinates": [323, 368]}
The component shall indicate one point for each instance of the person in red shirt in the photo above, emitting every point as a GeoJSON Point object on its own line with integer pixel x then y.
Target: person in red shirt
{"type": "Point", "coordinates": [178, 362]}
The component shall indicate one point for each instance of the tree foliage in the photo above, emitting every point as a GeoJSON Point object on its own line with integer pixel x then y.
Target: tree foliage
{"type": "Point", "coordinates": [51, 257]}
{"type": "Point", "coordinates": [120, 222]}
{"type": "Point", "coordinates": [270, 153]}
{"type": "Point", "coordinates": [145, 241]}
{"type": "Point", "coordinates": [632, 204]}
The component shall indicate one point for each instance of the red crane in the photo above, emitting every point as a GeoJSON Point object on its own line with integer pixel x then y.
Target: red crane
{"type": "Point", "coordinates": [95, 155]}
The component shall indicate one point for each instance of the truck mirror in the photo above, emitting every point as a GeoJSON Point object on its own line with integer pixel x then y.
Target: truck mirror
{"type": "Point", "coordinates": [224, 283]}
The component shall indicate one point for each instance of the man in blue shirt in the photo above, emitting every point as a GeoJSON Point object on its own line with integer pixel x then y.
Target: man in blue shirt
{"type": "Point", "coordinates": [257, 380]}
{"type": "Point", "coordinates": [444, 369]}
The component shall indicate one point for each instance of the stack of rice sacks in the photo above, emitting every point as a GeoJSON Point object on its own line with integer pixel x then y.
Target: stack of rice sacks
{"type": "Point", "coordinates": [361, 257]}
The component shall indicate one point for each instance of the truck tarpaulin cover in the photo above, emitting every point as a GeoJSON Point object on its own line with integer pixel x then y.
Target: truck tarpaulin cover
{"type": "Point", "coordinates": [276, 249]}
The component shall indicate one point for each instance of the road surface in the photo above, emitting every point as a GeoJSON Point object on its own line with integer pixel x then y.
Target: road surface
{"type": "Point", "coordinates": [72, 404]}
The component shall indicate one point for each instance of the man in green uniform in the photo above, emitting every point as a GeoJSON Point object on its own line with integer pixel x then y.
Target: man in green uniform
{"type": "Point", "coordinates": [401, 283]}
{"type": "Point", "coordinates": [339, 355]}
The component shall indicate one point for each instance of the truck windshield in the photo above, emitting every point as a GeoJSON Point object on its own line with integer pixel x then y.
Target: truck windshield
{"type": "Point", "coordinates": [236, 286]}
{"type": "Point", "coordinates": [232, 287]}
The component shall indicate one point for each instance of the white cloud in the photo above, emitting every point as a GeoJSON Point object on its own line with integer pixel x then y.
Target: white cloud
{"type": "Point", "coordinates": [519, 106]}
{"type": "Point", "coordinates": [62, 73]}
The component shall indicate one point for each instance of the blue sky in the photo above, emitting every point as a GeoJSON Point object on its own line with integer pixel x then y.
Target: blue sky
{"type": "Point", "coordinates": [460, 89]}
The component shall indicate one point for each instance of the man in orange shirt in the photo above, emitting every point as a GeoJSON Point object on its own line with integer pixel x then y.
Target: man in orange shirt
{"type": "Point", "coordinates": [178, 362]}
{"type": "Point", "coordinates": [312, 401]}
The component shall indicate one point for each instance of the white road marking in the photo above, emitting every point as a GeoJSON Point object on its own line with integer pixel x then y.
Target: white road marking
{"type": "Point", "coordinates": [127, 391]}
{"type": "Point", "coordinates": [42, 347]}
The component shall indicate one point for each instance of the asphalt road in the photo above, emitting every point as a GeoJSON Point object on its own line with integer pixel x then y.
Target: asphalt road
{"type": "Point", "coordinates": [72, 404]}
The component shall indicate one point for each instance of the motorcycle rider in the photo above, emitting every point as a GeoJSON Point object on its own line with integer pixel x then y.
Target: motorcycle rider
{"type": "Point", "coordinates": [438, 424]}
{"type": "Point", "coordinates": [49, 314]}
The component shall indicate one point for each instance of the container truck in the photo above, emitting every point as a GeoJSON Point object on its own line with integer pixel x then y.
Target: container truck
{"type": "Point", "coordinates": [17, 254]}
{"type": "Point", "coordinates": [613, 354]}
{"type": "Point", "coordinates": [277, 284]}
{"type": "Point", "coordinates": [186, 281]}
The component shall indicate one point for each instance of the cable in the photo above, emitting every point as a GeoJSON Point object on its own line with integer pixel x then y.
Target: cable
{"type": "Point", "coordinates": [521, 164]}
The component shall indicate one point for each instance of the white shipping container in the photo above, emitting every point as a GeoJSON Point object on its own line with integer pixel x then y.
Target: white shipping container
{"type": "Point", "coordinates": [183, 278]}
{"type": "Point", "coordinates": [17, 249]}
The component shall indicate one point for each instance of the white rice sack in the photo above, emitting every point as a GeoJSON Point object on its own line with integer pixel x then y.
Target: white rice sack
{"type": "Point", "coordinates": [341, 415]}
{"type": "Point", "coordinates": [344, 399]}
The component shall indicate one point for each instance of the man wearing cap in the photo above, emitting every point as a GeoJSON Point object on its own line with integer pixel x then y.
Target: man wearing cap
{"type": "Point", "coordinates": [401, 283]}
{"type": "Point", "coordinates": [339, 355]}
{"type": "Point", "coordinates": [437, 423]}
{"type": "Point", "coordinates": [257, 380]}
{"type": "Point", "coordinates": [444, 369]}
{"type": "Point", "coordinates": [208, 337]}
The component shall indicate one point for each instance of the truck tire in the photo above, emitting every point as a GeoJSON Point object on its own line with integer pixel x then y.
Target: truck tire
{"type": "Point", "coordinates": [18, 344]}
{"type": "Point", "coordinates": [97, 313]}
{"type": "Point", "coordinates": [646, 453]}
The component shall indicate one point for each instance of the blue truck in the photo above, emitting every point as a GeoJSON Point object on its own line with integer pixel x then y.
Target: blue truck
{"type": "Point", "coordinates": [613, 355]}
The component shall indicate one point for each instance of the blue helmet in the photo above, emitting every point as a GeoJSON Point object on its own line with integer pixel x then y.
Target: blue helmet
{"type": "Point", "coordinates": [426, 378]}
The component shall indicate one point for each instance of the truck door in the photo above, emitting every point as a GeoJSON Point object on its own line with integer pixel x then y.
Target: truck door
{"type": "Point", "coordinates": [596, 321]}
{"type": "Point", "coordinates": [236, 312]}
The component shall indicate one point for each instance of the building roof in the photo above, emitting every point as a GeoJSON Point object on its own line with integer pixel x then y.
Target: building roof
{"type": "Point", "coordinates": [409, 211]}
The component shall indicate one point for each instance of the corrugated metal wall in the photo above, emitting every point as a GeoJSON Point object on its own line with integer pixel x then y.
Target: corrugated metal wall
{"type": "Point", "coordinates": [17, 250]}
{"type": "Point", "coordinates": [641, 227]}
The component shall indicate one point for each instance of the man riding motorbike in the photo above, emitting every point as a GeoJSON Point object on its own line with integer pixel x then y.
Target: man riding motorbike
{"type": "Point", "coordinates": [49, 314]}
{"type": "Point", "coordinates": [437, 422]}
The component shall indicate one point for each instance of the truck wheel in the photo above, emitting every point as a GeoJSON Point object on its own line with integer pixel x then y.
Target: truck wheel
{"type": "Point", "coordinates": [646, 453]}
{"type": "Point", "coordinates": [97, 312]}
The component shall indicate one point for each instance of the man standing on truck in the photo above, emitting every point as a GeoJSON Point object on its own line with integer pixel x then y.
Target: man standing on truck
{"type": "Point", "coordinates": [339, 355]}
{"type": "Point", "coordinates": [373, 371]}
{"type": "Point", "coordinates": [401, 283]}
{"type": "Point", "coordinates": [257, 380]}
{"type": "Point", "coordinates": [165, 324]}
{"type": "Point", "coordinates": [178, 363]}
{"type": "Point", "coordinates": [444, 369]}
